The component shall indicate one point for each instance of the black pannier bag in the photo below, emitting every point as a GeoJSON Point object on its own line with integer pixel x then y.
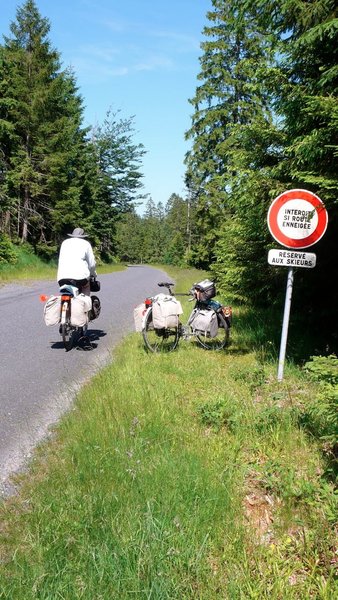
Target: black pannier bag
{"type": "Point", "coordinates": [95, 285]}
{"type": "Point", "coordinates": [206, 290]}
{"type": "Point", "coordinates": [96, 308]}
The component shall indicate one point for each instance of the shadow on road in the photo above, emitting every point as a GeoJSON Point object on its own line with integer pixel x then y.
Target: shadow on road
{"type": "Point", "coordinates": [85, 343]}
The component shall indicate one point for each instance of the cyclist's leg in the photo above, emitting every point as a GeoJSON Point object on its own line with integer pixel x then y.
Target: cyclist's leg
{"type": "Point", "coordinates": [83, 286]}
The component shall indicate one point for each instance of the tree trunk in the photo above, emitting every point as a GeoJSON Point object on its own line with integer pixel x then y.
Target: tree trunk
{"type": "Point", "coordinates": [6, 222]}
{"type": "Point", "coordinates": [24, 235]}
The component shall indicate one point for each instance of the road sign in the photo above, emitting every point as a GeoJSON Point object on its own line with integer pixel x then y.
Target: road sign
{"type": "Point", "coordinates": [288, 258]}
{"type": "Point", "coordinates": [297, 219]}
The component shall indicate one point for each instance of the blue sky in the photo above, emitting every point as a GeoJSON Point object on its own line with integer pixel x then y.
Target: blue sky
{"type": "Point", "coordinates": [139, 57]}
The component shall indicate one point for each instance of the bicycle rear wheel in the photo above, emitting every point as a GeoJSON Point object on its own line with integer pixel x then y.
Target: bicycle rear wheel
{"type": "Point", "coordinates": [67, 331]}
{"type": "Point", "coordinates": [220, 341]}
{"type": "Point", "coordinates": [159, 340]}
{"type": "Point", "coordinates": [68, 336]}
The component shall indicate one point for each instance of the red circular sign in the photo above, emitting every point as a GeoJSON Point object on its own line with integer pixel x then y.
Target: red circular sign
{"type": "Point", "coordinates": [297, 219]}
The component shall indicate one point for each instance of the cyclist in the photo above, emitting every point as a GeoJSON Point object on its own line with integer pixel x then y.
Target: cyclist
{"type": "Point", "coordinates": [76, 261]}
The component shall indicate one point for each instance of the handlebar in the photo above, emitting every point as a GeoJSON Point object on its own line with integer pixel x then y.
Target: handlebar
{"type": "Point", "coordinates": [184, 294]}
{"type": "Point", "coordinates": [169, 285]}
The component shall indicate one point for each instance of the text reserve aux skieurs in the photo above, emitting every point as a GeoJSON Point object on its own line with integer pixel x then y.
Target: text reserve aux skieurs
{"type": "Point", "coordinates": [289, 258]}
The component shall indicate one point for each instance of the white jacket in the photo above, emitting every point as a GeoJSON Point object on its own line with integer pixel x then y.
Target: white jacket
{"type": "Point", "coordinates": [76, 259]}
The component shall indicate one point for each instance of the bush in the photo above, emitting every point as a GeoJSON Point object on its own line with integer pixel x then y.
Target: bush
{"type": "Point", "coordinates": [46, 251]}
{"type": "Point", "coordinates": [320, 415]}
{"type": "Point", "coordinates": [217, 414]}
{"type": "Point", "coordinates": [8, 254]}
{"type": "Point", "coordinates": [323, 368]}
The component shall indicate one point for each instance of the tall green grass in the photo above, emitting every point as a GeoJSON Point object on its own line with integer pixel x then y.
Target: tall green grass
{"type": "Point", "coordinates": [183, 476]}
{"type": "Point", "coordinates": [27, 266]}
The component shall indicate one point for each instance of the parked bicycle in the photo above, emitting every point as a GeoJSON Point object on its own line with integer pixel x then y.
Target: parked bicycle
{"type": "Point", "coordinates": [209, 322]}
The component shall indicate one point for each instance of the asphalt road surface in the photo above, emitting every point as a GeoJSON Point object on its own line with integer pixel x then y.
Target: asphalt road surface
{"type": "Point", "coordinates": [38, 378]}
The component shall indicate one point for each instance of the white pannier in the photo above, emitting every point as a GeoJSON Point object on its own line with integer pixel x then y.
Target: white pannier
{"type": "Point", "coordinates": [51, 310]}
{"type": "Point", "coordinates": [79, 309]}
{"type": "Point", "coordinates": [139, 314]}
{"type": "Point", "coordinates": [204, 322]}
{"type": "Point", "coordinates": [166, 310]}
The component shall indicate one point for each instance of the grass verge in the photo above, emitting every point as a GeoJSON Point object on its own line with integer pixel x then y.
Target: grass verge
{"type": "Point", "coordinates": [184, 476]}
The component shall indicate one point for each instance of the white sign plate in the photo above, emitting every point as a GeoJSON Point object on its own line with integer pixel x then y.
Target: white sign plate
{"type": "Point", "coordinates": [291, 258]}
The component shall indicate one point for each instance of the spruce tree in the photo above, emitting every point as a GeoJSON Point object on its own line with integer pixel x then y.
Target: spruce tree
{"type": "Point", "coordinates": [178, 230]}
{"type": "Point", "coordinates": [129, 238]}
{"type": "Point", "coordinates": [231, 96]}
{"type": "Point", "coordinates": [308, 102]}
{"type": "Point", "coordinates": [153, 232]}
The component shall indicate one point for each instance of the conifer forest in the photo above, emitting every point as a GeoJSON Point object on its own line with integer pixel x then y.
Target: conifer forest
{"type": "Point", "coordinates": [264, 120]}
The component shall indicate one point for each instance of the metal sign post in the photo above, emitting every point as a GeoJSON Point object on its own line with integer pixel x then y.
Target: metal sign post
{"type": "Point", "coordinates": [285, 328]}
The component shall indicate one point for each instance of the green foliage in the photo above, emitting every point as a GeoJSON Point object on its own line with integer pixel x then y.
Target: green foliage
{"type": "Point", "coordinates": [320, 413]}
{"type": "Point", "coordinates": [129, 238]}
{"type": "Point", "coordinates": [323, 368]}
{"type": "Point", "coordinates": [272, 417]}
{"type": "Point", "coordinates": [27, 265]}
{"type": "Point", "coordinates": [286, 482]}
{"type": "Point", "coordinates": [232, 97]}
{"type": "Point", "coordinates": [8, 253]}
{"type": "Point", "coordinates": [119, 160]}
{"type": "Point", "coordinates": [161, 235]}
{"type": "Point", "coordinates": [47, 252]}
{"type": "Point", "coordinates": [217, 413]}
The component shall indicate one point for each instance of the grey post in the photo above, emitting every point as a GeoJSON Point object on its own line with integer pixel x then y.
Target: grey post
{"type": "Point", "coordinates": [285, 328]}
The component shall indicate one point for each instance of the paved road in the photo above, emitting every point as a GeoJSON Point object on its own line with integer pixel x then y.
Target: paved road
{"type": "Point", "coordinates": [38, 379]}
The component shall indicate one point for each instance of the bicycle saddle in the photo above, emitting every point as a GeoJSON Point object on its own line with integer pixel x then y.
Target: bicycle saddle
{"type": "Point", "coordinates": [71, 290]}
{"type": "Point", "coordinates": [163, 284]}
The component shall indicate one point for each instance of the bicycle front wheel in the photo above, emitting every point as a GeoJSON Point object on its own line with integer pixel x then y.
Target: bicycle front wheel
{"type": "Point", "coordinates": [159, 340]}
{"type": "Point", "coordinates": [220, 341]}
